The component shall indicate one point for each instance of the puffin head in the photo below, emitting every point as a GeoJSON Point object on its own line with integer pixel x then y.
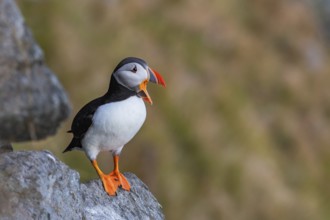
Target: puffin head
{"type": "Point", "coordinates": [134, 74]}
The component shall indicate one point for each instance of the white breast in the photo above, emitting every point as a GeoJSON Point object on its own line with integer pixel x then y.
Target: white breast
{"type": "Point", "coordinates": [114, 125]}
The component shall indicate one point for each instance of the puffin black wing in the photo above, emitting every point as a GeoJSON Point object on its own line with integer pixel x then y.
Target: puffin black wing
{"type": "Point", "coordinates": [81, 123]}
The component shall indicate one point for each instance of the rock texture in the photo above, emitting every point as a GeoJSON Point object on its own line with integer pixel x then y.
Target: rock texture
{"type": "Point", "coordinates": [33, 103]}
{"type": "Point", "coordinates": [36, 185]}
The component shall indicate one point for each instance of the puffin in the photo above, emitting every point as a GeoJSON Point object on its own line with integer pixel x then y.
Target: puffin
{"type": "Point", "coordinates": [109, 122]}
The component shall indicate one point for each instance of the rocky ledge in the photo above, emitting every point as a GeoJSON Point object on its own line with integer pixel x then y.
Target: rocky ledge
{"type": "Point", "coordinates": [36, 185]}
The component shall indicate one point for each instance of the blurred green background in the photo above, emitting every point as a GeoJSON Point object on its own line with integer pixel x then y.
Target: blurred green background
{"type": "Point", "coordinates": [242, 129]}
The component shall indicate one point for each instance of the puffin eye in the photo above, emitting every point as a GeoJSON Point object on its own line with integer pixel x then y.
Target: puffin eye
{"type": "Point", "coordinates": [134, 69]}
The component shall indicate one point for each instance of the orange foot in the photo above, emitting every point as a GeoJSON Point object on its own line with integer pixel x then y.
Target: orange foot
{"type": "Point", "coordinates": [120, 180]}
{"type": "Point", "coordinates": [114, 180]}
{"type": "Point", "coordinates": [110, 184]}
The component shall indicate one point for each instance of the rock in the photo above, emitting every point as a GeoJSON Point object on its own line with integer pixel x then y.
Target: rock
{"type": "Point", "coordinates": [33, 103]}
{"type": "Point", "coordinates": [139, 203]}
{"type": "Point", "coordinates": [36, 185]}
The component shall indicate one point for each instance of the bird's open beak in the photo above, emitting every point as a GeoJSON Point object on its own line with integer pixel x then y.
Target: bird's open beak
{"type": "Point", "coordinates": [154, 77]}
{"type": "Point", "coordinates": [144, 93]}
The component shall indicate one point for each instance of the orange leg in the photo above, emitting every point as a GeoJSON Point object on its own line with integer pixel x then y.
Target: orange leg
{"type": "Point", "coordinates": [115, 179]}
{"type": "Point", "coordinates": [110, 184]}
{"type": "Point", "coordinates": [118, 175]}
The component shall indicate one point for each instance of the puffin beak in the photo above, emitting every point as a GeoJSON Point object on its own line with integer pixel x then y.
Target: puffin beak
{"type": "Point", "coordinates": [155, 77]}
{"type": "Point", "coordinates": [144, 93]}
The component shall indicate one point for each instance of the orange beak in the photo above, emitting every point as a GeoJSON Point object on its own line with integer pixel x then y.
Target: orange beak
{"type": "Point", "coordinates": [144, 92]}
{"type": "Point", "coordinates": [154, 77]}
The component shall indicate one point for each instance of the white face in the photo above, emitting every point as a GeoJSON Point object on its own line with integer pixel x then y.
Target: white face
{"type": "Point", "coordinates": [131, 75]}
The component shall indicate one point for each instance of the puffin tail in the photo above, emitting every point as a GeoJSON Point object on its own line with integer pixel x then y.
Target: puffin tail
{"type": "Point", "coordinates": [75, 143]}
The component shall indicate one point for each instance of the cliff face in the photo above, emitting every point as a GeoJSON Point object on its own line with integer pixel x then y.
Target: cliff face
{"type": "Point", "coordinates": [36, 185]}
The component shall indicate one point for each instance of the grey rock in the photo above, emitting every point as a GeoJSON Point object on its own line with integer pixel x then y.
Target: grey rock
{"type": "Point", "coordinates": [36, 185]}
{"type": "Point", "coordinates": [33, 102]}
{"type": "Point", "coordinates": [139, 203]}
